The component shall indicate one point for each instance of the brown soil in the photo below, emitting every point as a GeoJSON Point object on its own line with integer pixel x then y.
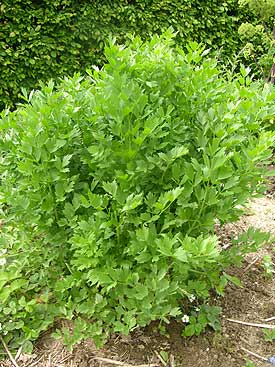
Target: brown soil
{"type": "Point", "coordinates": [254, 302]}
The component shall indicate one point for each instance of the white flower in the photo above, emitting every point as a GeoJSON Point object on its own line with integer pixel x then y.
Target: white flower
{"type": "Point", "coordinates": [0, 326]}
{"type": "Point", "coordinates": [192, 298]}
{"type": "Point", "coordinates": [197, 309]}
{"type": "Point", "coordinates": [4, 251]}
{"type": "Point", "coordinates": [2, 261]}
{"type": "Point", "coordinates": [185, 319]}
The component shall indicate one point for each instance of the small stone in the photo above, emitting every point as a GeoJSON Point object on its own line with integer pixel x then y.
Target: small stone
{"type": "Point", "coordinates": [141, 346]}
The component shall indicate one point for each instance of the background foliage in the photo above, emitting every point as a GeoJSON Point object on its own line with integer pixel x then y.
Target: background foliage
{"type": "Point", "coordinates": [47, 39]}
{"type": "Point", "coordinates": [259, 38]}
{"type": "Point", "coordinates": [113, 184]}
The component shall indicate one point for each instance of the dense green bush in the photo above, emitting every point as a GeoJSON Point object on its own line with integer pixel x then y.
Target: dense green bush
{"type": "Point", "coordinates": [259, 39]}
{"type": "Point", "coordinates": [111, 186]}
{"type": "Point", "coordinates": [47, 39]}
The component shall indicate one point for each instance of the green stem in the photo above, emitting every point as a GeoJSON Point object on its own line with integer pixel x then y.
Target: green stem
{"type": "Point", "coordinates": [198, 219]}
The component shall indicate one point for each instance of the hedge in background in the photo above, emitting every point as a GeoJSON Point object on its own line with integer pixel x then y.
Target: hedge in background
{"type": "Point", "coordinates": [47, 39]}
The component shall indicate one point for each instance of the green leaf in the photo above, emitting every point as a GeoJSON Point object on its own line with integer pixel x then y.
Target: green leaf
{"type": "Point", "coordinates": [141, 291]}
{"type": "Point", "coordinates": [189, 330]}
{"type": "Point", "coordinates": [66, 160]}
{"type": "Point", "coordinates": [110, 187]}
{"type": "Point", "coordinates": [165, 245]}
{"type": "Point", "coordinates": [181, 255]}
{"type": "Point", "coordinates": [233, 279]}
{"type": "Point", "coordinates": [60, 191]}
{"type": "Point", "coordinates": [132, 202]}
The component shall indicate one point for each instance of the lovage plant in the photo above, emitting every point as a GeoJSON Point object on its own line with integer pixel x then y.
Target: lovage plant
{"type": "Point", "coordinates": [111, 185]}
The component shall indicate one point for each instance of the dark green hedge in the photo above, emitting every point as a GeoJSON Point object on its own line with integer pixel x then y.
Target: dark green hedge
{"type": "Point", "coordinates": [47, 39]}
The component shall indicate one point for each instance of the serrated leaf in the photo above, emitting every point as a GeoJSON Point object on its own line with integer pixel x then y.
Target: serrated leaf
{"type": "Point", "coordinates": [181, 255]}
{"type": "Point", "coordinates": [141, 291]}
{"type": "Point", "coordinates": [110, 187]}
{"type": "Point", "coordinates": [233, 181]}
{"type": "Point", "coordinates": [85, 202]}
{"type": "Point", "coordinates": [69, 211]}
{"type": "Point", "coordinates": [165, 245]}
{"type": "Point", "coordinates": [66, 160]}
{"type": "Point", "coordinates": [26, 148]}
{"type": "Point", "coordinates": [60, 191]}
{"type": "Point", "coordinates": [132, 202]}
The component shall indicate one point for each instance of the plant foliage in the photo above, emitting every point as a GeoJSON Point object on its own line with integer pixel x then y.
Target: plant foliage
{"type": "Point", "coordinates": [111, 186]}
{"type": "Point", "coordinates": [40, 40]}
{"type": "Point", "coordinates": [259, 38]}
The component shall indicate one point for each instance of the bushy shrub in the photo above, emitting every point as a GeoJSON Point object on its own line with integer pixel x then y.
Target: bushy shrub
{"type": "Point", "coordinates": [259, 38]}
{"type": "Point", "coordinates": [111, 185]}
{"type": "Point", "coordinates": [40, 40]}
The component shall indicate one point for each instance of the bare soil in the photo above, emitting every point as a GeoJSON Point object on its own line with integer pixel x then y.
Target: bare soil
{"type": "Point", "coordinates": [254, 302]}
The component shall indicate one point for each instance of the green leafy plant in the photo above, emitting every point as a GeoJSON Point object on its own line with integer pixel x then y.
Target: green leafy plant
{"type": "Point", "coordinates": [198, 321]}
{"type": "Point", "coordinates": [268, 265]}
{"type": "Point", "coordinates": [269, 335]}
{"type": "Point", "coordinates": [111, 186]}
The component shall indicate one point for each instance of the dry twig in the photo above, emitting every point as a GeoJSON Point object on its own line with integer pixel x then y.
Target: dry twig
{"type": "Point", "coordinates": [269, 319]}
{"type": "Point", "coordinates": [161, 359]}
{"type": "Point", "coordinates": [118, 363]}
{"type": "Point", "coordinates": [254, 354]}
{"type": "Point", "coordinates": [34, 363]}
{"type": "Point", "coordinates": [172, 361]}
{"type": "Point", "coordinates": [251, 263]}
{"type": "Point", "coordinates": [18, 354]}
{"type": "Point", "coordinates": [264, 326]}
{"type": "Point", "coordinates": [13, 361]}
